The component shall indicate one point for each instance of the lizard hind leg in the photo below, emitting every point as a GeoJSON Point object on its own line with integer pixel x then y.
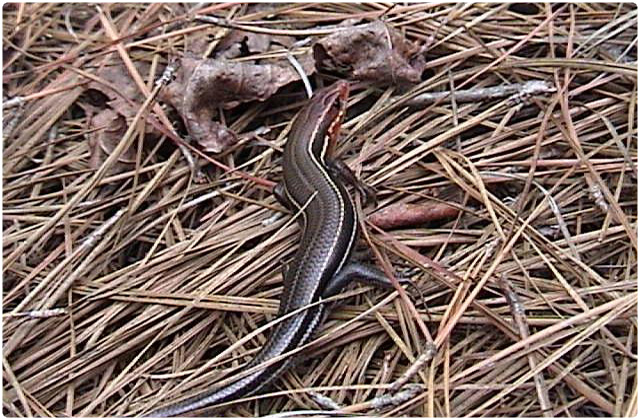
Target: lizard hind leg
{"type": "Point", "coordinates": [359, 272]}
{"type": "Point", "coordinates": [366, 274]}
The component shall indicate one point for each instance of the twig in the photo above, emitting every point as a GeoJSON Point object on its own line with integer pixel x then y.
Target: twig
{"type": "Point", "coordinates": [427, 354]}
{"type": "Point", "coordinates": [323, 401]}
{"type": "Point", "coordinates": [42, 313]}
{"type": "Point", "coordinates": [520, 318]}
{"type": "Point", "coordinates": [531, 87]}
{"type": "Point", "coordinates": [15, 118]}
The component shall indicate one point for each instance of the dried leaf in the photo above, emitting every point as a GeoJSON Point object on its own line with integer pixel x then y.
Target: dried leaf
{"type": "Point", "coordinates": [123, 93]}
{"type": "Point", "coordinates": [240, 44]}
{"type": "Point", "coordinates": [108, 121]}
{"type": "Point", "coordinates": [202, 86]}
{"type": "Point", "coordinates": [107, 129]}
{"type": "Point", "coordinates": [212, 136]}
{"type": "Point", "coordinates": [374, 52]}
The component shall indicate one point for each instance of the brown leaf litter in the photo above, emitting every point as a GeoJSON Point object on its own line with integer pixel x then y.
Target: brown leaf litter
{"type": "Point", "coordinates": [374, 52]}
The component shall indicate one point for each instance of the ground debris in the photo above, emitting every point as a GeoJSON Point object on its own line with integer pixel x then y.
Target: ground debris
{"type": "Point", "coordinates": [375, 52]}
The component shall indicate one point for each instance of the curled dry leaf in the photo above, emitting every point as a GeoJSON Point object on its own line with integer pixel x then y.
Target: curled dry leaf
{"type": "Point", "coordinates": [211, 135]}
{"type": "Point", "coordinates": [106, 131]}
{"type": "Point", "coordinates": [241, 43]}
{"type": "Point", "coordinates": [374, 52]}
{"type": "Point", "coordinates": [411, 214]}
{"type": "Point", "coordinates": [203, 86]}
{"type": "Point", "coordinates": [117, 84]}
{"type": "Point", "coordinates": [404, 215]}
{"type": "Point", "coordinates": [108, 121]}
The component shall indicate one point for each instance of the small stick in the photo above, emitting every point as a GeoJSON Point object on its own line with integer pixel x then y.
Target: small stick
{"type": "Point", "coordinates": [17, 117]}
{"type": "Point", "coordinates": [20, 100]}
{"type": "Point", "coordinates": [377, 403]}
{"type": "Point", "coordinates": [531, 87]}
{"type": "Point", "coordinates": [520, 318]}
{"type": "Point", "coordinates": [405, 394]}
{"type": "Point", "coordinates": [428, 352]}
{"type": "Point", "coordinates": [45, 313]}
{"type": "Point", "coordinates": [324, 402]}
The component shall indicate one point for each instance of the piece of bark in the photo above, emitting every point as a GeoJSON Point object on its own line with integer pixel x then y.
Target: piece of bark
{"type": "Point", "coordinates": [375, 52]}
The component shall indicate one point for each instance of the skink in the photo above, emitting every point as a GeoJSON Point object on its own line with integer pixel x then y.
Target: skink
{"type": "Point", "coordinates": [312, 185]}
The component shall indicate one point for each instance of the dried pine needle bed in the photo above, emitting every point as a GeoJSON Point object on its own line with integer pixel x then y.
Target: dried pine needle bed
{"type": "Point", "coordinates": [140, 254]}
